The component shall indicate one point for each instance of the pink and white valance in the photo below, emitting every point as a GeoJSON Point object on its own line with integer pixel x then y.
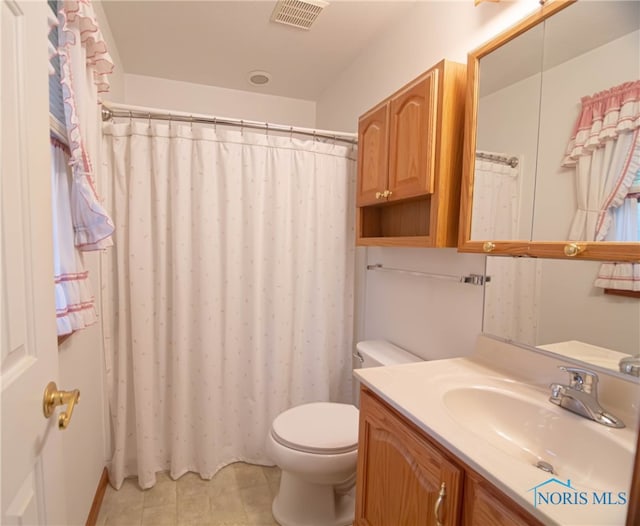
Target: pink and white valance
{"type": "Point", "coordinates": [85, 65]}
{"type": "Point", "coordinates": [78, 15]}
{"type": "Point", "coordinates": [603, 116]}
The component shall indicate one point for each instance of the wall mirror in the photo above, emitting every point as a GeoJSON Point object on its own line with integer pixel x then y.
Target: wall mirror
{"type": "Point", "coordinates": [552, 304]}
{"type": "Point", "coordinates": [533, 184]}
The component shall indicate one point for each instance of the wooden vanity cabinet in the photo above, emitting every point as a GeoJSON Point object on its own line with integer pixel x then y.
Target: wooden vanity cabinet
{"type": "Point", "coordinates": [410, 162]}
{"type": "Point", "coordinates": [484, 505]}
{"type": "Point", "coordinates": [401, 472]}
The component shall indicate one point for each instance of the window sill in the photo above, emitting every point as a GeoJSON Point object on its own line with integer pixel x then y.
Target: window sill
{"type": "Point", "coordinates": [626, 293]}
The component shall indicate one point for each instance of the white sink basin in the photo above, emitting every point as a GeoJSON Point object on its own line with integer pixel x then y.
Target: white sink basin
{"type": "Point", "coordinates": [527, 427]}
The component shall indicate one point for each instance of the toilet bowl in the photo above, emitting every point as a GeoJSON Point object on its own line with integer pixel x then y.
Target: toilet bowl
{"type": "Point", "coordinates": [315, 446]}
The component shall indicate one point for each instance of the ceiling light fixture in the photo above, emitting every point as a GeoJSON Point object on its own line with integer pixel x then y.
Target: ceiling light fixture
{"type": "Point", "coordinates": [259, 78]}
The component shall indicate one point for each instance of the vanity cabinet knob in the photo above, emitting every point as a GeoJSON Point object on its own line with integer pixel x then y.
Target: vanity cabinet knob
{"type": "Point", "coordinates": [378, 195]}
{"type": "Point", "coordinates": [489, 246]}
{"type": "Point", "coordinates": [573, 249]}
{"type": "Point", "coordinates": [437, 509]}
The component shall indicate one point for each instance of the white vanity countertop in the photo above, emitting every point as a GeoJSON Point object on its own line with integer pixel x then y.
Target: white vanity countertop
{"type": "Point", "coordinates": [418, 391]}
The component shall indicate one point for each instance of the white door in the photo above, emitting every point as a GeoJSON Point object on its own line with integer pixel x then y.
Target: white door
{"type": "Point", "coordinates": [32, 489]}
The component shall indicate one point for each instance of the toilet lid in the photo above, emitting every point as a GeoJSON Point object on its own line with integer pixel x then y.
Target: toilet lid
{"type": "Point", "coordinates": [321, 427]}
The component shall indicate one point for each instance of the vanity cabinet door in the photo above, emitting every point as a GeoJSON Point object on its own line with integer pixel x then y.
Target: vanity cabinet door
{"type": "Point", "coordinates": [412, 138]}
{"type": "Point", "coordinates": [485, 506]}
{"type": "Point", "coordinates": [373, 155]}
{"type": "Point", "coordinates": [401, 473]}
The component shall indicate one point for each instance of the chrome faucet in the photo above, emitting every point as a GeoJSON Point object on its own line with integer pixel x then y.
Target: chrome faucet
{"type": "Point", "coordinates": [630, 365]}
{"type": "Point", "coordinates": [581, 397]}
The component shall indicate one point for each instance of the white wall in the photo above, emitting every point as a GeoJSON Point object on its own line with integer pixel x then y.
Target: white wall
{"type": "Point", "coordinates": [174, 95]}
{"type": "Point", "coordinates": [425, 35]}
{"type": "Point", "coordinates": [434, 319]}
{"type": "Point", "coordinates": [567, 293]}
{"type": "Point", "coordinates": [86, 445]}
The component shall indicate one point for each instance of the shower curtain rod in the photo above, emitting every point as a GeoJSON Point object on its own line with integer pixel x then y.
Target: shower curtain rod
{"type": "Point", "coordinates": [501, 159]}
{"type": "Point", "coordinates": [110, 111]}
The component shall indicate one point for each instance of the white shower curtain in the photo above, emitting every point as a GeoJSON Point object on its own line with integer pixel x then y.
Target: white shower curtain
{"type": "Point", "coordinates": [511, 296]}
{"type": "Point", "coordinates": [234, 300]}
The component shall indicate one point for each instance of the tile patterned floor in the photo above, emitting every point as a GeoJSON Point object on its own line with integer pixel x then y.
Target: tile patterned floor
{"type": "Point", "coordinates": [239, 495]}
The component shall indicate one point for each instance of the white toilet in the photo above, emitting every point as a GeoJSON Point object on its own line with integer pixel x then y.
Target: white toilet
{"type": "Point", "coordinates": [315, 445]}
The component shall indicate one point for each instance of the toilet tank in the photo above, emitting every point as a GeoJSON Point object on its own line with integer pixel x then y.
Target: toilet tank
{"type": "Point", "coordinates": [378, 353]}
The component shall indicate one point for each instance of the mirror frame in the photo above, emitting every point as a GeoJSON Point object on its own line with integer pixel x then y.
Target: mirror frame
{"type": "Point", "coordinates": [608, 251]}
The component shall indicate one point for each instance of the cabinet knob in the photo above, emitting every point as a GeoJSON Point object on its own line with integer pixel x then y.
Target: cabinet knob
{"type": "Point", "coordinates": [387, 193]}
{"type": "Point", "coordinates": [379, 195]}
{"type": "Point", "coordinates": [573, 249]}
{"type": "Point", "coordinates": [437, 509]}
{"type": "Point", "coordinates": [489, 246]}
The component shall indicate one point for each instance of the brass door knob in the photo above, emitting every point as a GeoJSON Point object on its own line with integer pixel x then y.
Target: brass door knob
{"type": "Point", "coordinates": [53, 398]}
{"type": "Point", "coordinates": [489, 246]}
{"type": "Point", "coordinates": [573, 249]}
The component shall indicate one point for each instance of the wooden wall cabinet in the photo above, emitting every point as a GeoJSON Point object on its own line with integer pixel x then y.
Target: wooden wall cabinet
{"type": "Point", "coordinates": [404, 477]}
{"type": "Point", "coordinates": [410, 162]}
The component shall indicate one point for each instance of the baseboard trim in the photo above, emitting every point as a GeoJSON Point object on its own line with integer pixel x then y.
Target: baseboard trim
{"type": "Point", "coordinates": [97, 499]}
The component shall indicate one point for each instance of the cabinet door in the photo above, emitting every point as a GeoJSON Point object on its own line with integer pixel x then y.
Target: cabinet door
{"type": "Point", "coordinates": [373, 156]}
{"type": "Point", "coordinates": [486, 506]}
{"type": "Point", "coordinates": [400, 473]}
{"type": "Point", "coordinates": [412, 139]}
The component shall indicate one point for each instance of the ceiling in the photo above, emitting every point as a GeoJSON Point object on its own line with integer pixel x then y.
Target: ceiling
{"type": "Point", "coordinates": [219, 42]}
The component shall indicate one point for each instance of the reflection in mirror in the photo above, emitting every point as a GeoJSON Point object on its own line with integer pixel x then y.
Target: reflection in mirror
{"type": "Point", "coordinates": [529, 100]}
{"type": "Point", "coordinates": [590, 47]}
{"type": "Point", "coordinates": [552, 304]}
{"type": "Point", "coordinates": [507, 128]}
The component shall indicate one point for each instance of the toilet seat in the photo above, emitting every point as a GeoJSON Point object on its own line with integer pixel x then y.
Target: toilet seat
{"type": "Point", "coordinates": [322, 428]}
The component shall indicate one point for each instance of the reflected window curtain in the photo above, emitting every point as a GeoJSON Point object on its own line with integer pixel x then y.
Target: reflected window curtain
{"type": "Point", "coordinates": [74, 300]}
{"type": "Point", "coordinates": [625, 227]}
{"type": "Point", "coordinates": [234, 265]}
{"type": "Point", "coordinates": [604, 149]}
{"type": "Point", "coordinates": [510, 299]}
{"type": "Point", "coordinates": [85, 65]}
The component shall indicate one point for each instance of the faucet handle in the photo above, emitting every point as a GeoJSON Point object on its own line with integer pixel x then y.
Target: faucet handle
{"type": "Point", "coordinates": [581, 379]}
{"type": "Point", "coordinates": [630, 365]}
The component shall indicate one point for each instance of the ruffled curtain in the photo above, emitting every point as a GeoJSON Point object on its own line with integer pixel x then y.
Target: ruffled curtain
{"type": "Point", "coordinates": [85, 65]}
{"type": "Point", "coordinates": [605, 150]}
{"type": "Point", "coordinates": [74, 301]}
{"type": "Point", "coordinates": [80, 222]}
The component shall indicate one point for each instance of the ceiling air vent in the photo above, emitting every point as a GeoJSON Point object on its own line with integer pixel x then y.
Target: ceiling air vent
{"type": "Point", "coordinates": [298, 13]}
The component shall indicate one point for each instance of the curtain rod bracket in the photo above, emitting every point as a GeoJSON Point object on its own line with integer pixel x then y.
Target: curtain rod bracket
{"type": "Point", "coordinates": [106, 113]}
